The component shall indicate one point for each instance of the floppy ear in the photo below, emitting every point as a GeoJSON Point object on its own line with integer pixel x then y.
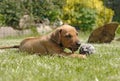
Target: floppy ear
{"type": "Point", "coordinates": [56, 36]}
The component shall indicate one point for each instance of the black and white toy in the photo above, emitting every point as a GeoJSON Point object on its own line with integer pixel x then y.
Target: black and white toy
{"type": "Point", "coordinates": [87, 49]}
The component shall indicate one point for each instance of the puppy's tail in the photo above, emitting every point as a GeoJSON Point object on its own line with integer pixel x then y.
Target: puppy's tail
{"type": "Point", "coordinates": [8, 47]}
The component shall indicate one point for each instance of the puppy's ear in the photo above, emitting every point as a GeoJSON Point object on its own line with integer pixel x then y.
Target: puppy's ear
{"type": "Point", "coordinates": [56, 36]}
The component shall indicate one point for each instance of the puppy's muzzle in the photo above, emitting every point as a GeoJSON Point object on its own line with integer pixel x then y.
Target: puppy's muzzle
{"type": "Point", "coordinates": [78, 44]}
{"type": "Point", "coordinates": [75, 46]}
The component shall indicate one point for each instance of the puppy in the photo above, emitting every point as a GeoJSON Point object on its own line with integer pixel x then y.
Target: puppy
{"type": "Point", "coordinates": [63, 37]}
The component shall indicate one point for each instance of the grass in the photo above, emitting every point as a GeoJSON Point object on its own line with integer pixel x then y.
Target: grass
{"type": "Point", "coordinates": [102, 66]}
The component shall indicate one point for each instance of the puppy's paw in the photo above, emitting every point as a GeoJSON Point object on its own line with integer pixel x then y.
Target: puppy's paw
{"type": "Point", "coordinates": [78, 56]}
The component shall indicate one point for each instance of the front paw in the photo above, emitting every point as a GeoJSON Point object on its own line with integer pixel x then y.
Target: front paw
{"type": "Point", "coordinates": [78, 56]}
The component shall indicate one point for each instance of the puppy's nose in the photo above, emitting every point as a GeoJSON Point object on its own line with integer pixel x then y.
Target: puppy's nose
{"type": "Point", "coordinates": [78, 43]}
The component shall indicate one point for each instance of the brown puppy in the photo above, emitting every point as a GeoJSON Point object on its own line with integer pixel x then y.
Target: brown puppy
{"type": "Point", "coordinates": [63, 37]}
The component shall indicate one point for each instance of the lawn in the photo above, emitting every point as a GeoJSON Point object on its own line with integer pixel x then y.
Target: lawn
{"type": "Point", "coordinates": [104, 65]}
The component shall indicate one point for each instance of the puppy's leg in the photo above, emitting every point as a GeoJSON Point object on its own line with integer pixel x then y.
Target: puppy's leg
{"type": "Point", "coordinates": [77, 56]}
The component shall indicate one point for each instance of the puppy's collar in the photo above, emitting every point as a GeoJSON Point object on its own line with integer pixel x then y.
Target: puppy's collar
{"type": "Point", "coordinates": [61, 45]}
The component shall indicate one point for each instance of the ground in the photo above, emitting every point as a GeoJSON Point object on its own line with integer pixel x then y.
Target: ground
{"type": "Point", "coordinates": [102, 66]}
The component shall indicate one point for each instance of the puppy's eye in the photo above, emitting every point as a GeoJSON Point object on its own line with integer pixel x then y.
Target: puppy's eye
{"type": "Point", "coordinates": [68, 36]}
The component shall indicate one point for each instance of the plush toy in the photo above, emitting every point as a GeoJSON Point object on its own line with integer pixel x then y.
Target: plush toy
{"type": "Point", "coordinates": [87, 49]}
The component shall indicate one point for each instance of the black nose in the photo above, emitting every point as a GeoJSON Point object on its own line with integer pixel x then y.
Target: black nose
{"type": "Point", "coordinates": [78, 43]}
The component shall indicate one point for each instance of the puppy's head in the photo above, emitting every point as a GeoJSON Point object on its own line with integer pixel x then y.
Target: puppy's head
{"type": "Point", "coordinates": [67, 36]}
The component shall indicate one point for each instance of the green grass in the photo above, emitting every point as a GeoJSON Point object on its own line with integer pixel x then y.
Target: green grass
{"type": "Point", "coordinates": [104, 65]}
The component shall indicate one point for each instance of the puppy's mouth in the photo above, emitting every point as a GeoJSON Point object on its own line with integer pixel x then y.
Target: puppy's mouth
{"type": "Point", "coordinates": [73, 49]}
